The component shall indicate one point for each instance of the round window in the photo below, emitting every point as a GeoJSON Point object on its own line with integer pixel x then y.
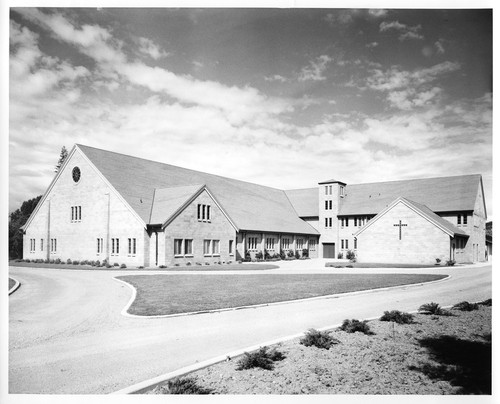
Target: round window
{"type": "Point", "coordinates": [76, 174]}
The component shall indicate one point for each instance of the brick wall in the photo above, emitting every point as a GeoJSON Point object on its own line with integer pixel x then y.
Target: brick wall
{"type": "Point", "coordinates": [77, 240]}
{"type": "Point", "coordinates": [421, 241]}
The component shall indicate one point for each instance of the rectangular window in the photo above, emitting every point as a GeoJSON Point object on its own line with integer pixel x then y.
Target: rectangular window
{"type": "Point", "coordinates": [330, 189]}
{"type": "Point", "coordinates": [215, 247]}
{"type": "Point", "coordinates": [132, 246]}
{"type": "Point", "coordinates": [355, 243]}
{"type": "Point", "coordinates": [177, 246]}
{"type": "Point", "coordinates": [252, 243]}
{"type": "Point", "coordinates": [41, 244]}
{"type": "Point", "coordinates": [204, 213]}
{"type": "Point", "coordinates": [72, 213]}
{"type": "Point", "coordinates": [53, 245]}
{"type": "Point", "coordinates": [355, 222]}
{"type": "Point", "coordinates": [326, 189]}
{"type": "Point", "coordinates": [204, 210]}
{"type": "Point", "coordinates": [300, 244]}
{"type": "Point", "coordinates": [188, 247]}
{"type": "Point", "coordinates": [206, 247]}
{"type": "Point", "coordinates": [341, 192]}
{"type": "Point", "coordinates": [270, 243]}
{"type": "Point", "coordinates": [115, 246]}
{"type": "Point", "coordinates": [346, 222]}
{"type": "Point", "coordinates": [330, 222]}
{"type": "Point", "coordinates": [199, 212]}
{"type": "Point", "coordinates": [330, 205]}
{"type": "Point", "coordinates": [208, 212]}
{"type": "Point", "coordinates": [459, 219]}
{"type": "Point", "coordinates": [286, 243]}
{"type": "Point", "coordinates": [231, 247]}
{"type": "Point", "coordinates": [326, 205]}
{"type": "Point", "coordinates": [465, 219]}
{"type": "Point", "coordinates": [347, 244]}
{"type": "Point", "coordinates": [326, 222]}
{"type": "Point", "coordinates": [79, 213]}
{"type": "Point", "coordinates": [342, 243]}
{"type": "Point", "coordinates": [312, 245]}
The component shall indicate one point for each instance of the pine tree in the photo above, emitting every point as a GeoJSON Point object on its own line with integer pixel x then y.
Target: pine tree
{"type": "Point", "coordinates": [62, 157]}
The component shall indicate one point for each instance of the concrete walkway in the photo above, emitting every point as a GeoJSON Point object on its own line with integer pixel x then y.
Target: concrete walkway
{"type": "Point", "coordinates": [67, 335]}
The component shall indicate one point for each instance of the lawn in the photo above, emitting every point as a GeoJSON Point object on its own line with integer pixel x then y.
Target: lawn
{"type": "Point", "coordinates": [12, 282]}
{"type": "Point", "coordinates": [217, 267]}
{"type": "Point", "coordinates": [375, 265]}
{"type": "Point", "coordinates": [174, 294]}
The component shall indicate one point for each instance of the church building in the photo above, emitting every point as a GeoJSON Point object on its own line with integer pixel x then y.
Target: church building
{"type": "Point", "coordinates": [103, 205]}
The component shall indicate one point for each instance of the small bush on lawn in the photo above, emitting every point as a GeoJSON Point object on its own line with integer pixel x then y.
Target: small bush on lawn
{"type": "Point", "coordinates": [108, 266]}
{"type": "Point", "coordinates": [84, 262]}
{"type": "Point", "coordinates": [433, 308]}
{"type": "Point", "coordinates": [319, 339]}
{"type": "Point", "coordinates": [340, 256]}
{"type": "Point", "coordinates": [97, 263]}
{"type": "Point", "coordinates": [57, 261]}
{"type": "Point", "coordinates": [486, 302]}
{"type": "Point", "coordinates": [123, 266]}
{"type": "Point", "coordinates": [69, 261]}
{"type": "Point", "coordinates": [75, 262]}
{"type": "Point", "coordinates": [186, 385]}
{"type": "Point", "coordinates": [116, 264]}
{"type": "Point", "coordinates": [465, 306]}
{"type": "Point", "coordinates": [46, 260]}
{"type": "Point", "coordinates": [350, 255]}
{"type": "Point", "coordinates": [450, 263]}
{"type": "Point", "coordinates": [263, 358]}
{"type": "Point", "coordinates": [162, 266]}
{"type": "Point", "coordinates": [140, 267]}
{"type": "Point", "coordinates": [352, 326]}
{"type": "Point", "coordinates": [397, 316]}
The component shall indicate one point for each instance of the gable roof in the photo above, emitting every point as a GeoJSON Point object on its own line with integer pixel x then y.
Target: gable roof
{"type": "Point", "coordinates": [304, 201]}
{"type": "Point", "coordinates": [424, 211]}
{"type": "Point", "coordinates": [250, 206]}
{"type": "Point", "coordinates": [443, 194]}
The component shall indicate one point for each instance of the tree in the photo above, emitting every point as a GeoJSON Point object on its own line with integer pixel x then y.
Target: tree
{"type": "Point", "coordinates": [16, 220]}
{"type": "Point", "coordinates": [62, 157]}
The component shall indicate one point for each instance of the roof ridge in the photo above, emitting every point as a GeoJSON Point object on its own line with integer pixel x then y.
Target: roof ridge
{"type": "Point", "coordinates": [418, 179]}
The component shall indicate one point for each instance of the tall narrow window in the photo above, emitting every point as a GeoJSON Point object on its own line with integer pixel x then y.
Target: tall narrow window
{"type": "Point", "coordinates": [208, 212]}
{"type": "Point", "coordinates": [79, 213]}
{"type": "Point", "coordinates": [342, 243]}
{"type": "Point", "coordinates": [177, 246]}
{"type": "Point", "coordinates": [326, 222]}
{"type": "Point", "coordinates": [465, 219]}
{"type": "Point", "coordinates": [72, 213]}
{"type": "Point", "coordinates": [188, 247]}
{"type": "Point", "coordinates": [326, 205]}
{"type": "Point", "coordinates": [206, 247]}
{"type": "Point", "coordinates": [330, 222]}
{"type": "Point", "coordinates": [131, 246]}
{"type": "Point", "coordinates": [330, 189]}
{"type": "Point", "coordinates": [231, 247]}
{"type": "Point", "coordinates": [204, 210]}
{"type": "Point", "coordinates": [215, 247]}
{"type": "Point", "coordinates": [199, 212]}
{"type": "Point", "coordinates": [347, 244]}
{"type": "Point", "coordinates": [326, 189]}
{"type": "Point", "coordinates": [330, 205]}
{"type": "Point", "coordinates": [459, 219]}
{"type": "Point", "coordinates": [355, 243]}
{"type": "Point", "coordinates": [346, 222]}
{"type": "Point", "coordinates": [41, 244]}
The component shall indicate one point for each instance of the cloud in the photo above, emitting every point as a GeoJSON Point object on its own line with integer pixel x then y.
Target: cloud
{"type": "Point", "coordinates": [340, 17]}
{"type": "Point", "coordinates": [314, 71]}
{"type": "Point", "coordinates": [148, 47]}
{"type": "Point", "coordinates": [439, 46]}
{"type": "Point", "coordinates": [276, 77]}
{"type": "Point", "coordinates": [377, 12]}
{"type": "Point", "coordinates": [372, 45]}
{"type": "Point", "coordinates": [406, 32]}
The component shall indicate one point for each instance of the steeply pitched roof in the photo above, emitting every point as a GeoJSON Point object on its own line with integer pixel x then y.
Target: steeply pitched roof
{"type": "Point", "coordinates": [304, 201]}
{"type": "Point", "coordinates": [443, 194]}
{"type": "Point", "coordinates": [250, 206]}
{"type": "Point", "coordinates": [167, 201]}
{"type": "Point", "coordinates": [424, 211]}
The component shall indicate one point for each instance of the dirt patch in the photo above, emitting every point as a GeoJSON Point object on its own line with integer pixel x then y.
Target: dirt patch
{"type": "Point", "coordinates": [434, 355]}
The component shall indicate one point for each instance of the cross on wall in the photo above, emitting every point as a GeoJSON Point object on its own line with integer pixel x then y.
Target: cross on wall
{"type": "Point", "coordinates": [400, 225]}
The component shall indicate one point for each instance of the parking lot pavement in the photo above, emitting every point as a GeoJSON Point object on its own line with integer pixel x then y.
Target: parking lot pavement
{"type": "Point", "coordinates": [66, 333]}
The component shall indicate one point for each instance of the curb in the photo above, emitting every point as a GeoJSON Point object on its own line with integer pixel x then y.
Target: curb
{"type": "Point", "coordinates": [142, 387]}
{"type": "Point", "coordinates": [16, 286]}
{"type": "Point", "coordinates": [125, 312]}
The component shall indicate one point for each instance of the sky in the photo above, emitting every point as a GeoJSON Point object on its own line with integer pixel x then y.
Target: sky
{"type": "Point", "coordinates": [280, 97]}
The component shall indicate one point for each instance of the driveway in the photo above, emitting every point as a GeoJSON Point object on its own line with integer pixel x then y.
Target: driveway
{"type": "Point", "coordinates": [66, 333]}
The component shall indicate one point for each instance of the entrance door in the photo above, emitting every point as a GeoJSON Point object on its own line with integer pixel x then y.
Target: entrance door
{"type": "Point", "coordinates": [328, 250]}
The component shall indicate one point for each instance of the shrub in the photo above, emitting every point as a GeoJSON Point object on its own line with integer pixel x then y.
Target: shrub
{"type": "Point", "coordinates": [352, 326]}
{"type": "Point", "coordinates": [438, 261]}
{"type": "Point", "coordinates": [92, 263]}
{"type": "Point", "coordinates": [305, 252]}
{"type": "Point", "coordinates": [109, 266]}
{"type": "Point", "coordinates": [52, 261]}
{"type": "Point", "coordinates": [258, 255]}
{"type": "Point", "coordinates": [266, 254]}
{"type": "Point", "coordinates": [290, 254]}
{"type": "Point", "coordinates": [348, 266]}
{"type": "Point", "coordinates": [57, 261]}
{"type": "Point", "coordinates": [123, 266]}
{"type": "Point", "coordinates": [319, 339]}
{"type": "Point", "coordinates": [486, 302]}
{"type": "Point", "coordinates": [186, 385]}
{"type": "Point", "coordinates": [27, 260]}
{"type": "Point", "coordinates": [450, 263]}
{"type": "Point", "coordinates": [140, 267]}
{"type": "Point", "coordinates": [433, 308]}
{"type": "Point", "coordinates": [188, 263]}
{"type": "Point", "coordinates": [162, 266]}
{"type": "Point", "coordinates": [198, 263]}
{"type": "Point", "coordinates": [207, 263]}
{"type": "Point", "coordinates": [465, 306]}
{"type": "Point", "coordinates": [263, 358]}
{"type": "Point", "coordinates": [68, 261]}
{"type": "Point", "coordinates": [116, 264]}
{"type": "Point", "coordinates": [46, 260]}
{"type": "Point", "coordinates": [297, 254]}
{"type": "Point", "coordinates": [75, 262]}
{"type": "Point", "coordinates": [84, 262]}
{"type": "Point", "coordinates": [340, 256]}
{"type": "Point", "coordinates": [176, 264]}
{"type": "Point", "coordinates": [97, 263]}
{"type": "Point", "coordinates": [397, 316]}
{"type": "Point", "coordinates": [350, 255]}
{"type": "Point", "coordinates": [282, 254]}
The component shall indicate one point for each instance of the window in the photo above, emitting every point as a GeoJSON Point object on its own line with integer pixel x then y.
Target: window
{"type": "Point", "coordinates": [347, 244]}
{"type": "Point", "coordinates": [342, 243]}
{"type": "Point", "coordinates": [206, 247]}
{"type": "Point", "coordinates": [341, 192]}
{"type": "Point", "coordinates": [312, 245]}
{"type": "Point", "coordinates": [115, 246]}
{"type": "Point", "coordinates": [252, 243]}
{"type": "Point", "coordinates": [286, 243]}
{"type": "Point", "coordinates": [330, 205]}
{"type": "Point", "coordinates": [177, 246]}
{"type": "Point", "coordinates": [188, 247]}
{"type": "Point", "coordinates": [300, 244]}
{"type": "Point", "coordinates": [465, 219]}
{"type": "Point", "coordinates": [459, 219]}
{"type": "Point", "coordinates": [355, 222]}
{"type": "Point", "coordinates": [326, 205]}
{"type": "Point", "coordinates": [346, 222]}
{"type": "Point", "coordinates": [355, 243]}
{"type": "Point", "coordinates": [326, 222]}
{"type": "Point", "coordinates": [270, 243]}
{"type": "Point", "coordinates": [215, 247]}
{"type": "Point", "coordinates": [203, 213]}
{"type": "Point", "coordinates": [326, 189]}
{"type": "Point", "coordinates": [32, 245]}
{"type": "Point", "coordinates": [41, 244]}
{"type": "Point", "coordinates": [330, 189]}
{"type": "Point", "coordinates": [231, 247]}
{"type": "Point", "coordinates": [99, 246]}
{"type": "Point", "coordinates": [53, 245]}
{"type": "Point", "coordinates": [330, 222]}
{"type": "Point", "coordinates": [76, 214]}
{"type": "Point", "coordinates": [132, 246]}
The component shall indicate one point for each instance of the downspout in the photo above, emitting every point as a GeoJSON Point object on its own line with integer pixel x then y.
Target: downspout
{"type": "Point", "coordinates": [156, 242]}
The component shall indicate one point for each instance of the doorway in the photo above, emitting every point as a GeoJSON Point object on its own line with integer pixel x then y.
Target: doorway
{"type": "Point", "coordinates": [328, 250]}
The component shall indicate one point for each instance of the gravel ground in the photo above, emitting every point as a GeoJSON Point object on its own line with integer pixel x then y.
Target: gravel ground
{"type": "Point", "coordinates": [434, 355]}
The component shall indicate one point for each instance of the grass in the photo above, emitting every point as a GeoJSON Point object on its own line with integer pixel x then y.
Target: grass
{"type": "Point", "coordinates": [12, 282]}
{"type": "Point", "coordinates": [222, 267]}
{"type": "Point", "coordinates": [375, 265]}
{"type": "Point", "coordinates": [174, 294]}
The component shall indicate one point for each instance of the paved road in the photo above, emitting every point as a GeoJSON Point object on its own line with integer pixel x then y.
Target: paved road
{"type": "Point", "coordinates": [66, 334]}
